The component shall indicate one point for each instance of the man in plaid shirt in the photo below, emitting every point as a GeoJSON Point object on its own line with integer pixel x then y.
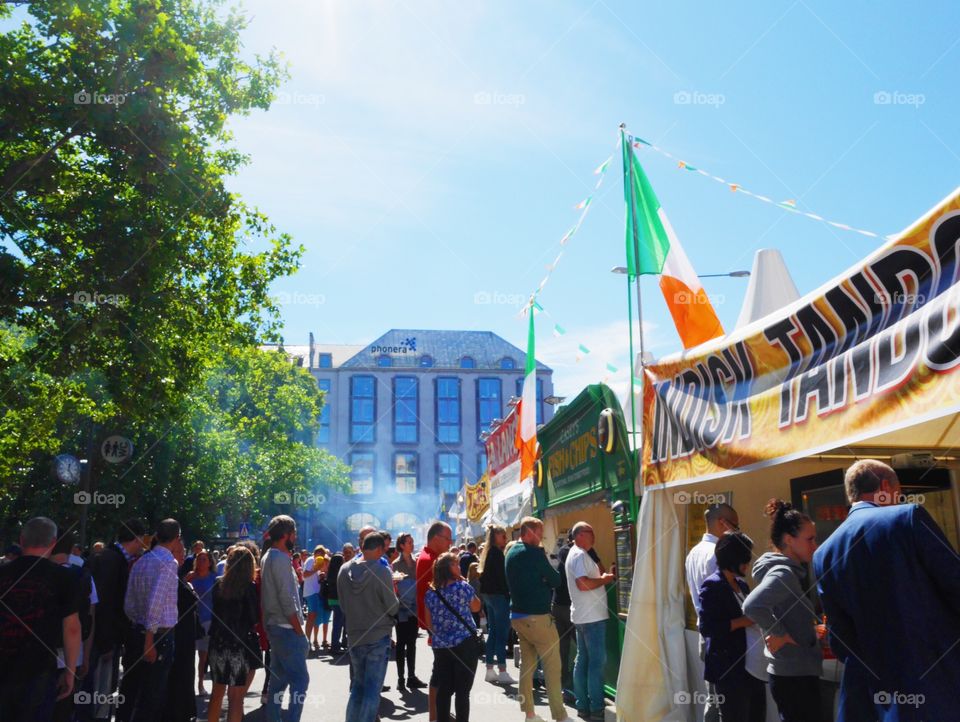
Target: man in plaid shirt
{"type": "Point", "coordinates": [151, 606]}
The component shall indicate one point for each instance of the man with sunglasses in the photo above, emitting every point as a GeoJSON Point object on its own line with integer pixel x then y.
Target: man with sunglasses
{"type": "Point", "coordinates": [701, 562]}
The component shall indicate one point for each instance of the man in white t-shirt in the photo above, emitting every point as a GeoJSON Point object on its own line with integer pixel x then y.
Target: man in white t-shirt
{"type": "Point", "coordinates": [588, 612]}
{"type": "Point", "coordinates": [701, 562]}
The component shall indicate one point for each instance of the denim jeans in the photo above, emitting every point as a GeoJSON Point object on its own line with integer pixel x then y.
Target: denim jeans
{"type": "Point", "coordinates": [588, 669]}
{"type": "Point", "coordinates": [337, 640]}
{"type": "Point", "coordinates": [497, 607]}
{"type": "Point", "coordinates": [288, 668]}
{"type": "Point", "coordinates": [368, 662]}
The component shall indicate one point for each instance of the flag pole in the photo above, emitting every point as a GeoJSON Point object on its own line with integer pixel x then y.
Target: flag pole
{"type": "Point", "coordinates": [628, 179]}
{"type": "Point", "coordinates": [629, 185]}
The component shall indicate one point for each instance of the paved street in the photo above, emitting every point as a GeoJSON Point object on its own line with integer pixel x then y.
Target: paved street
{"type": "Point", "coordinates": [329, 688]}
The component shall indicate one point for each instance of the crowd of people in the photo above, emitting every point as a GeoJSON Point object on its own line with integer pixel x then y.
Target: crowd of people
{"type": "Point", "coordinates": [133, 631]}
{"type": "Point", "coordinates": [881, 592]}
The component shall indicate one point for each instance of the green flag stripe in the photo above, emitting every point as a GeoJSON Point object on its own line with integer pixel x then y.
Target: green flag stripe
{"type": "Point", "coordinates": [531, 359]}
{"type": "Point", "coordinates": [646, 239]}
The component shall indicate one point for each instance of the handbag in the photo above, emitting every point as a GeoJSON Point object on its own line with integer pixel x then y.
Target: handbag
{"type": "Point", "coordinates": [473, 647]}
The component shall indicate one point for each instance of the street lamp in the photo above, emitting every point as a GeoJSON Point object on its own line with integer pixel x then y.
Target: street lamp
{"type": "Point", "coordinates": [732, 274]}
{"type": "Point", "coordinates": [554, 400]}
{"type": "Point", "coordinates": [622, 270]}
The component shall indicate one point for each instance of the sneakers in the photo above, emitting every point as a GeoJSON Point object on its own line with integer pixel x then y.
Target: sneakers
{"type": "Point", "coordinates": [401, 686]}
{"type": "Point", "coordinates": [414, 683]}
{"type": "Point", "coordinates": [491, 675]}
{"type": "Point", "coordinates": [505, 678]}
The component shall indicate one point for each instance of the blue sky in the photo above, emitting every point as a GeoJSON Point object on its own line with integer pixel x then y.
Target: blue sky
{"type": "Point", "coordinates": [428, 155]}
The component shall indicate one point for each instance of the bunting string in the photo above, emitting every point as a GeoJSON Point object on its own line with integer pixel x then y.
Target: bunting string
{"type": "Point", "coordinates": [789, 205]}
{"type": "Point", "coordinates": [582, 350]}
{"type": "Point", "coordinates": [534, 305]}
{"type": "Point", "coordinates": [584, 208]}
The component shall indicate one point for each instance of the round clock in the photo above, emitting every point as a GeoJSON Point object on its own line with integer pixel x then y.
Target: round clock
{"type": "Point", "coordinates": [66, 468]}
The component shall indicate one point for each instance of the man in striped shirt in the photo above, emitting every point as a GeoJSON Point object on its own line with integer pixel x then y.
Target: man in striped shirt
{"type": "Point", "coordinates": [151, 606]}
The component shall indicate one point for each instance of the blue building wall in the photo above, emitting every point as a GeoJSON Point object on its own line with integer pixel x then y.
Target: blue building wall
{"type": "Point", "coordinates": [426, 356]}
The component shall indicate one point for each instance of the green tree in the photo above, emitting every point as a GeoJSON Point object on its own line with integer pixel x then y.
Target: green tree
{"type": "Point", "coordinates": [129, 275]}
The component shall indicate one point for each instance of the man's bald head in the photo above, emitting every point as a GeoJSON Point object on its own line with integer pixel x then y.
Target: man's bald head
{"type": "Point", "coordinates": [721, 518]}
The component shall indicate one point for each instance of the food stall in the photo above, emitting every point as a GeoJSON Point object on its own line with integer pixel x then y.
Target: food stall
{"type": "Point", "coordinates": [867, 366]}
{"type": "Point", "coordinates": [585, 472]}
{"type": "Point", "coordinates": [509, 499]}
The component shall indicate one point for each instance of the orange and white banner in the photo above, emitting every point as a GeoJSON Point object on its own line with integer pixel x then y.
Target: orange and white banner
{"type": "Point", "coordinates": [875, 350]}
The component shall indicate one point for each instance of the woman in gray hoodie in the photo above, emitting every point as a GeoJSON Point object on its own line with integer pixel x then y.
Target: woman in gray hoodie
{"type": "Point", "coordinates": [782, 605]}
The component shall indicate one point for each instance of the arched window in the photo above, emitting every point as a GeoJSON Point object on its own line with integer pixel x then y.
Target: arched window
{"type": "Point", "coordinates": [356, 522]}
{"type": "Point", "coordinates": [402, 521]}
{"type": "Point", "coordinates": [426, 361]}
{"type": "Point", "coordinates": [467, 362]}
{"type": "Point", "coordinates": [507, 363]}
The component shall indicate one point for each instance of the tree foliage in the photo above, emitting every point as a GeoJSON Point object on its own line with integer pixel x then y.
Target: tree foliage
{"type": "Point", "coordinates": [134, 287]}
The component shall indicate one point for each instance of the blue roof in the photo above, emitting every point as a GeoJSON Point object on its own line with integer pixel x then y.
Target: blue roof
{"type": "Point", "coordinates": [407, 347]}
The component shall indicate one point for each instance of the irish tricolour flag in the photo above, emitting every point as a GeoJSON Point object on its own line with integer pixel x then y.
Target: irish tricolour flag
{"type": "Point", "coordinates": [527, 427]}
{"type": "Point", "coordinates": [653, 248]}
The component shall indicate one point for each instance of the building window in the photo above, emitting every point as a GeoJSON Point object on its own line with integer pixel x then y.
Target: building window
{"type": "Point", "coordinates": [467, 362]}
{"type": "Point", "coordinates": [481, 464]}
{"type": "Point", "coordinates": [361, 472]}
{"type": "Point", "coordinates": [356, 522]}
{"type": "Point", "coordinates": [323, 435]}
{"type": "Point", "coordinates": [384, 361]}
{"type": "Point", "coordinates": [402, 521]}
{"type": "Point", "coordinates": [507, 363]}
{"type": "Point", "coordinates": [539, 397]}
{"type": "Point", "coordinates": [405, 405]}
{"type": "Point", "coordinates": [448, 472]}
{"type": "Point", "coordinates": [448, 410]}
{"type": "Point", "coordinates": [488, 402]}
{"type": "Point", "coordinates": [405, 472]}
{"type": "Point", "coordinates": [363, 409]}
{"type": "Point", "coordinates": [325, 361]}
{"type": "Point", "coordinates": [426, 361]}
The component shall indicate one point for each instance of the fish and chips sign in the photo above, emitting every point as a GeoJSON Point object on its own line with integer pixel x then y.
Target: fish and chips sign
{"type": "Point", "coordinates": [873, 351]}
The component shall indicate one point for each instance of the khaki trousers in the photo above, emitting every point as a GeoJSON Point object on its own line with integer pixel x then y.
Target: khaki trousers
{"type": "Point", "coordinates": [539, 638]}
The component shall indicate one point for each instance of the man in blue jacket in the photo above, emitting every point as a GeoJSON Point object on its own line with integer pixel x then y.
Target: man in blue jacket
{"type": "Point", "coordinates": [890, 586]}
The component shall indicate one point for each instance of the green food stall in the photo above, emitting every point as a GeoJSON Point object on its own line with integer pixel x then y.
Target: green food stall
{"type": "Point", "coordinates": [587, 472]}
